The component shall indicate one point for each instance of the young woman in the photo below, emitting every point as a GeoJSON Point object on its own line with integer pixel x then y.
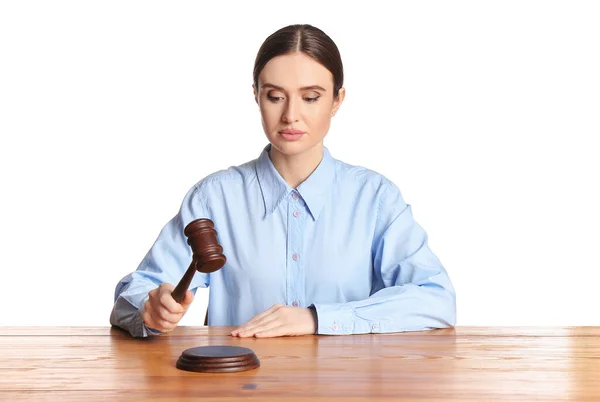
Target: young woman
{"type": "Point", "coordinates": [313, 245]}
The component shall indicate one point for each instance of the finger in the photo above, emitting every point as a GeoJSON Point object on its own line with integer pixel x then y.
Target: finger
{"type": "Point", "coordinates": [165, 315]}
{"type": "Point", "coordinates": [167, 301]}
{"type": "Point", "coordinates": [281, 330]}
{"type": "Point", "coordinates": [262, 326]}
{"type": "Point", "coordinates": [166, 286]}
{"type": "Point", "coordinates": [265, 313]}
{"type": "Point", "coordinates": [257, 318]}
{"type": "Point", "coordinates": [160, 312]}
{"type": "Point", "coordinates": [159, 324]}
{"type": "Point", "coordinates": [236, 331]}
{"type": "Point", "coordinates": [164, 296]}
{"type": "Point", "coordinates": [189, 298]}
{"type": "Point", "coordinates": [254, 324]}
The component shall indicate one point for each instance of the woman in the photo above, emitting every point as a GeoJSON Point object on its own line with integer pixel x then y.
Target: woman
{"type": "Point", "coordinates": [313, 245]}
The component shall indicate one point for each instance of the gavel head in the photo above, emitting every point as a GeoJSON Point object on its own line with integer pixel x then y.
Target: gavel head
{"type": "Point", "coordinates": [202, 238]}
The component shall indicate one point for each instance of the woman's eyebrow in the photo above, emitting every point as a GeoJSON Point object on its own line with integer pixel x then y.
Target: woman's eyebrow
{"type": "Point", "coordinates": [320, 88]}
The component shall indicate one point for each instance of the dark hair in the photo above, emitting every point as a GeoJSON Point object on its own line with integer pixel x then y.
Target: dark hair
{"type": "Point", "coordinates": [306, 39]}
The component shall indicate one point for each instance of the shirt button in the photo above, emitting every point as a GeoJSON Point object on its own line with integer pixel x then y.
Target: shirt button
{"type": "Point", "coordinates": [375, 327]}
{"type": "Point", "coordinates": [296, 213]}
{"type": "Point", "coordinates": [295, 257]}
{"type": "Point", "coordinates": [295, 303]}
{"type": "Point", "coordinates": [295, 196]}
{"type": "Point", "coordinates": [335, 327]}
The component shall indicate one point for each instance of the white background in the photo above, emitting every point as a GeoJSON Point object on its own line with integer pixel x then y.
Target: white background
{"type": "Point", "coordinates": [485, 114]}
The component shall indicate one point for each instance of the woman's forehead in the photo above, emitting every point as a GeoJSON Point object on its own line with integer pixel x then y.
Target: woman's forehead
{"type": "Point", "coordinates": [296, 78]}
{"type": "Point", "coordinates": [295, 72]}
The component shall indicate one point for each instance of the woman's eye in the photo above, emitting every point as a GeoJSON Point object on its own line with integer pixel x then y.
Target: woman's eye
{"type": "Point", "coordinates": [274, 98]}
{"type": "Point", "coordinates": [278, 98]}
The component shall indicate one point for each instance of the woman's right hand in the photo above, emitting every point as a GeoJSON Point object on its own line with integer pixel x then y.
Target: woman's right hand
{"type": "Point", "coordinates": [161, 311]}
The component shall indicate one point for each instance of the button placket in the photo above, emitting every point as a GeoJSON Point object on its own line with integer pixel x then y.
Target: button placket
{"type": "Point", "coordinates": [296, 221]}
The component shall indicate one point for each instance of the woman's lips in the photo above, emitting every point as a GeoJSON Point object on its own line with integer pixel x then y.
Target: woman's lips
{"type": "Point", "coordinates": [291, 137]}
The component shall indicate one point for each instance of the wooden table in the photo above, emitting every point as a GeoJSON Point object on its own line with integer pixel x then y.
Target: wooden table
{"type": "Point", "coordinates": [462, 364]}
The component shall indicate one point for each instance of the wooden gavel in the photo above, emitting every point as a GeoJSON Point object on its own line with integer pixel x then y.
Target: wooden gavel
{"type": "Point", "coordinates": [208, 257]}
{"type": "Point", "coordinates": [207, 254]}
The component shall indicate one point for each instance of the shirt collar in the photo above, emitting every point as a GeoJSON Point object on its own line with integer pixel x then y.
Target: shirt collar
{"type": "Point", "coordinates": [313, 190]}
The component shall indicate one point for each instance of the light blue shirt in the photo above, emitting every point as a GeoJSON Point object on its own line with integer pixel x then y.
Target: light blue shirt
{"type": "Point", "coordinates": [344, 241]}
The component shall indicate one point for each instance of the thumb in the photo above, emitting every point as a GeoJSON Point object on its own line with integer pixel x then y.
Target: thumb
{"type": "Point", "coordinates": [188, 299]}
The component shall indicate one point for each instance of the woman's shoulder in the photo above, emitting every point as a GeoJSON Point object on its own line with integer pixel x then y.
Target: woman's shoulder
{"type": "Point", "coordinates": [230, 176]}
{"type": "Point", "coordinates": [362, 176]}
{"type": "Point", "coordinates": [372, 184]}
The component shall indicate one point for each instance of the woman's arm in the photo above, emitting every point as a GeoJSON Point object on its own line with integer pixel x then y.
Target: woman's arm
{"type": "Point", "coordinates": [166, 261]}
{"type": "Point", "coordinates": [412, 290]}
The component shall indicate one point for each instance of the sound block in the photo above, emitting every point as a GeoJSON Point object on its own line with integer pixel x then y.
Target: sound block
{"type": "Point", "coordinates": [217, 359]}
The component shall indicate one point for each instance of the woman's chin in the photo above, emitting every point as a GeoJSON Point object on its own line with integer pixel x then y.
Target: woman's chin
{"type": "Point", "coordinates": [288, 149]}
{"type": "Point", "coordinates": [291, 146]}
{"type": "Point", "coordinates": [295, 148]}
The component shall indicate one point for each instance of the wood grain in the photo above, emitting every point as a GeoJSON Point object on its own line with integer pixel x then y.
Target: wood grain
{"type": "Point", "coordinates": [461, 364]}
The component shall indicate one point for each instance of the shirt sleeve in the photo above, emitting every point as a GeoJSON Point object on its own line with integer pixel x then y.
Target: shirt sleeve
{"type": "Point", "coordinates": [411, 289]}
{"type": "Point", "coordinates": [166, 261]}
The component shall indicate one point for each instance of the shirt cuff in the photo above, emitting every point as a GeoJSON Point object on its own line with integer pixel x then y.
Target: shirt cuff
{"type": "Point", "coordinates": [340, 319]}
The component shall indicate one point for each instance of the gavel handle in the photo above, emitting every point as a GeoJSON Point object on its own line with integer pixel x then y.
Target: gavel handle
{"type": "Point", "coordinates": [183, 285]}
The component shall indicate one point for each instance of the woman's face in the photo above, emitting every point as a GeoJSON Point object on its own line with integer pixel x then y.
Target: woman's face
{"type": "Point", "coordinates": [296, 92]}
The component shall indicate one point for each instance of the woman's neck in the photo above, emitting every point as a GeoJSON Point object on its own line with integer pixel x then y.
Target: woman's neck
{"type": "Point", "coordinates": [296, 168]}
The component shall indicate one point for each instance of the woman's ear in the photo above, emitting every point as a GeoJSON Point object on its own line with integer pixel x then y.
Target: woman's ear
{"type": "Point", "coordinates": [337, 102]}
{"type": "Point", "coordinates": [255, 94]}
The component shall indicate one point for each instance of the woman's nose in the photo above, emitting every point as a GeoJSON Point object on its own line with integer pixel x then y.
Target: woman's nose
{"type": "Point", "coordinates": [289, 114]}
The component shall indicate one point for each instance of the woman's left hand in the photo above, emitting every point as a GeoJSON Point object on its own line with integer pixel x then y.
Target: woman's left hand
{"type": "Point", "coordinates": [279, 320]}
